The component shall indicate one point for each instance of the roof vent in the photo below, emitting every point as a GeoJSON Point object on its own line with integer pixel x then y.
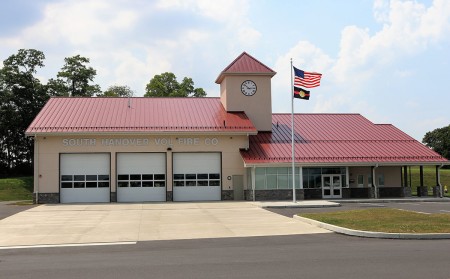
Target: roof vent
{"type": "Point", "coordinates": [129, 102]}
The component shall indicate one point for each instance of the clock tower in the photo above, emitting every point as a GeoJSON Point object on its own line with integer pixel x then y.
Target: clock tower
{"type": "Point", "coordinates": [245, 85]}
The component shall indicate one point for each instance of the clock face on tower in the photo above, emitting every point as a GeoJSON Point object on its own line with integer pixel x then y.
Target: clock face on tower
{"type": "Point", "coordinates": [248, 88]}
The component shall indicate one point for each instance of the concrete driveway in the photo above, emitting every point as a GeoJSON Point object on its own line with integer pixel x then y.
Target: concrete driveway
{"type": "Point", "coordinates": [111, 223]}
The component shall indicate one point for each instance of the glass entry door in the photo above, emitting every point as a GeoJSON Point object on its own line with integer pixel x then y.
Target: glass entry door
{"type": "Point", "coordinates": [331, 186]}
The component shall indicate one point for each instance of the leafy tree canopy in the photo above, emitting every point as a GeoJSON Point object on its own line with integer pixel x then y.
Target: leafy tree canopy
{"type": "Point", "coordinates": [439, 141]}
{"type": "Point", "coordinates": [21, 97]}
{"type": "Point", "coordinates": [166, 85]}
{"type": "Point", "coordinates": [117, 91]}
{"type": "Point", "coordinates": [74, 79]}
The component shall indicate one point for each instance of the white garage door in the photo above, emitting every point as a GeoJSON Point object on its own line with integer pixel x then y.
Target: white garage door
{"type": "Point", "coordinates": [141, 177]}
{"type": "Point", "coordinates": [84, 178]}
{"type": "Point", "coordinates": [196, 177]}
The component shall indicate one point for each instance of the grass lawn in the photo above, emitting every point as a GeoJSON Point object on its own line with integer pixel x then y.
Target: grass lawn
{"type": "Point", "coordinates": [429, 179]}
{"type": "Point", "coordinates": [15, 189]}
{"type": "Point", "coordinates": [385, 220]}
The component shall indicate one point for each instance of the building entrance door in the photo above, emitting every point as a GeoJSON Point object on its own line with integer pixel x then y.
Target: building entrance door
{"type": "Point", "coordinates": [331, 186]}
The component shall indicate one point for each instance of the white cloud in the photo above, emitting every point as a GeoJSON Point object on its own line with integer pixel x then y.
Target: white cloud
{"type": "Point", "coordinates": [218, 10]}
{"type": "Point", "coordinates": [80, 22]}
{"type": "Point", "coordinates": [408, 27]}
{"type": "Point", "coordinates": [231, 13]}
{"type": "Point", "coordinates": [126, 42]}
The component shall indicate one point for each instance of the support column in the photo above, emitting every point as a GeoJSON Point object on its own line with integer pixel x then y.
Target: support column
{"type": "Point", "coordinates": [402, 182]}
{"type": "Point", "coordinates": [253, 173]}
{"type": "Point", "coordinates": [437, 175]}
{"type": "Point", "coordinates": [437, 189]}
{"type": "Point", "coordinates": [422, 191]}
{"type": "Point", "coordinates": [421, 176]}
{"type": "Point", "coordinates": [406, 191]}
{"type": "Point", "coordinates": [410, 179]}
{"type": "Point", "coordinates": [405, 176]}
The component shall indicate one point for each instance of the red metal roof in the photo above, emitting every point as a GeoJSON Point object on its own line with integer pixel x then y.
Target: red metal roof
{"type": "Point", "coordinates": [113, 115]}
{"type": "Point", "coordinates": [336, 138]}
{"type": "Point", "coordinates": [245, 63]}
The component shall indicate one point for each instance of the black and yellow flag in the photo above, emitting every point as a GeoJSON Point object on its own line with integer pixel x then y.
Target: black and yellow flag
{"type": "Point", "coordinates": [301, 93]}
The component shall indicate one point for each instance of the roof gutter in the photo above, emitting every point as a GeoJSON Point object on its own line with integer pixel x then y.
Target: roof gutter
{"type": "Point", "coordinates": [146, 133]}
{"type": "Point", "coordinates": [343, 164]}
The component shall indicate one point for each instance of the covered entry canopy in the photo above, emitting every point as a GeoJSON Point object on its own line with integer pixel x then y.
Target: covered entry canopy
{"type": "Point", "coordinates": [337, 139]}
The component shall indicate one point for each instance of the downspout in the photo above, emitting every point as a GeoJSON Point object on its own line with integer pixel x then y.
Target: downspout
{"type": "Point", "coordinates": [36, 162]}
{"type": "Point", "coordinates": [347, 177]}
{"type": "Point", "coordinates": [374, 181]}
{"type": "Point", "coordinates": [439, 181]}
{"type": "Point", "coordinates": [253, 171]}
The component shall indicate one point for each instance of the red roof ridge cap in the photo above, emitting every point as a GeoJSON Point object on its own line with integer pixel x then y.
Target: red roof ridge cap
{"type": "Point", "coordinates": [225, 71]}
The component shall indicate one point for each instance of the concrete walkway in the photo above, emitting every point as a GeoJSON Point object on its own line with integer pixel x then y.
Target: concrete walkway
{"type": "Point", "coordinates": [109, 223]}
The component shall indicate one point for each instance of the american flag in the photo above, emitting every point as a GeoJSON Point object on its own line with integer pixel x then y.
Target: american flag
{"type": "Point", "coordinates": [306, 79]}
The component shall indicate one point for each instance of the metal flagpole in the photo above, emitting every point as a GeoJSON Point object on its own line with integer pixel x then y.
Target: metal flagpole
{"type": "Point", "coordinates": [292, 138]}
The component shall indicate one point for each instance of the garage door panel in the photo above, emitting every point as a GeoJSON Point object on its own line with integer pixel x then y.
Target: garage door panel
{"type": "Point", "coordinates": [197, 193]}
{"type": "Point", "coordinates": [196, 176]}
{"type": "Point", "coordinates": [84, 163]}
{"type": "Point", "coordinates": [193, 162]}
{"type": "Point", "coordinates": [141, 194]}
{"type": "Point", "coordinates": [141, 177]}
{"type": "Point", "coordinates": [77, 195]}
{"type": "Point", "coordinates": [141, 162]}
{"type": "Point", "coordinates": [84, 178]}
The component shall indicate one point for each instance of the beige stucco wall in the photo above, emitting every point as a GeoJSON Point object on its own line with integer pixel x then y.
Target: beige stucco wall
{"type": "Point", "coordinates": [257, 107]}
{"type": "Point", "coordinates": [392, 175]}
{"type": "Point", "coordinates": [48, 150]}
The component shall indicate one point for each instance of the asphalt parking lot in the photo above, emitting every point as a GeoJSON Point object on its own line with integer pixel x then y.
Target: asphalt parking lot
{"type": "Point", "coordinates": [10, 208]}
{"type": "Point", "coordinates": [421, 207]}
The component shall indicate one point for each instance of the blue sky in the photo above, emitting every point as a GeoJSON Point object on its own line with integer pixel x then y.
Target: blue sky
{"type": "Point", "coordinates": [388, 60]}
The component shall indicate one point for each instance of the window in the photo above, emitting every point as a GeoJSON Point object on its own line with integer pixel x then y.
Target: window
{"type": "Point", "coordinates": [281, 178]}
{"type": "Point", "coordinates": [360, 180]}
{"type": "Point", "coordinates": [369, 180]}
{"type": "Point", "coordinates": [84, 181]}
{"type": "Point", "coordinates": [196, 179]}
{"type": "Point", "coordinates": [141, 180]}
{"type": "Point", "coordinates": [380, 180]}
{"type": "Point", "coordinates": [276, 178]}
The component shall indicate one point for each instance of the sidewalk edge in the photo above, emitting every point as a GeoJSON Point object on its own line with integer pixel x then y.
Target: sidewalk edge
{"type": "Point", "coordinates": [369, 234]}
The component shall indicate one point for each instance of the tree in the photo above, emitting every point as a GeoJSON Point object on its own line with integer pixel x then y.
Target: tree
{"type": "Point", "coordinates": [166, 85]}
{"type": "Point", "coordinates": [74, 77]}
{"type": "Point", "coordinates": [439, 141]}
{"type": "Point", "coordinates": [117, 91]}
{"type": "Point", "coordinates": [21, 98]}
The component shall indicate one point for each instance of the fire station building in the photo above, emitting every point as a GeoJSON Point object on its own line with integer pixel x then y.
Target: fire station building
{"type": "Point", "coordinates": [227, 148]}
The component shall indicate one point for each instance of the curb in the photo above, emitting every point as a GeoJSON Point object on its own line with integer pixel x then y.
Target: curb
{"type": "Point", "coordinates": [396, 200]}
{"type": "Point", "coordinates": [369, 234]}
{"type": "Point", "coordinates": [300, 205]}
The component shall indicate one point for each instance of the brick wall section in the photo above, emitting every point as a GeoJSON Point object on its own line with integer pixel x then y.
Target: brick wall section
{"type": "Point", "coordinates": [227, 195]}
{"type": "Point", "coordinates": [272, 195]}
{"type": "Point", "coordinates": [47, 198]}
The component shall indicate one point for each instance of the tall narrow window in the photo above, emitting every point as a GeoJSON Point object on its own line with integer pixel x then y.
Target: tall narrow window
{"type": "Point", "coordinates": [360, 180]}
{"type": "Point", "coordinates": [380, 180]}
